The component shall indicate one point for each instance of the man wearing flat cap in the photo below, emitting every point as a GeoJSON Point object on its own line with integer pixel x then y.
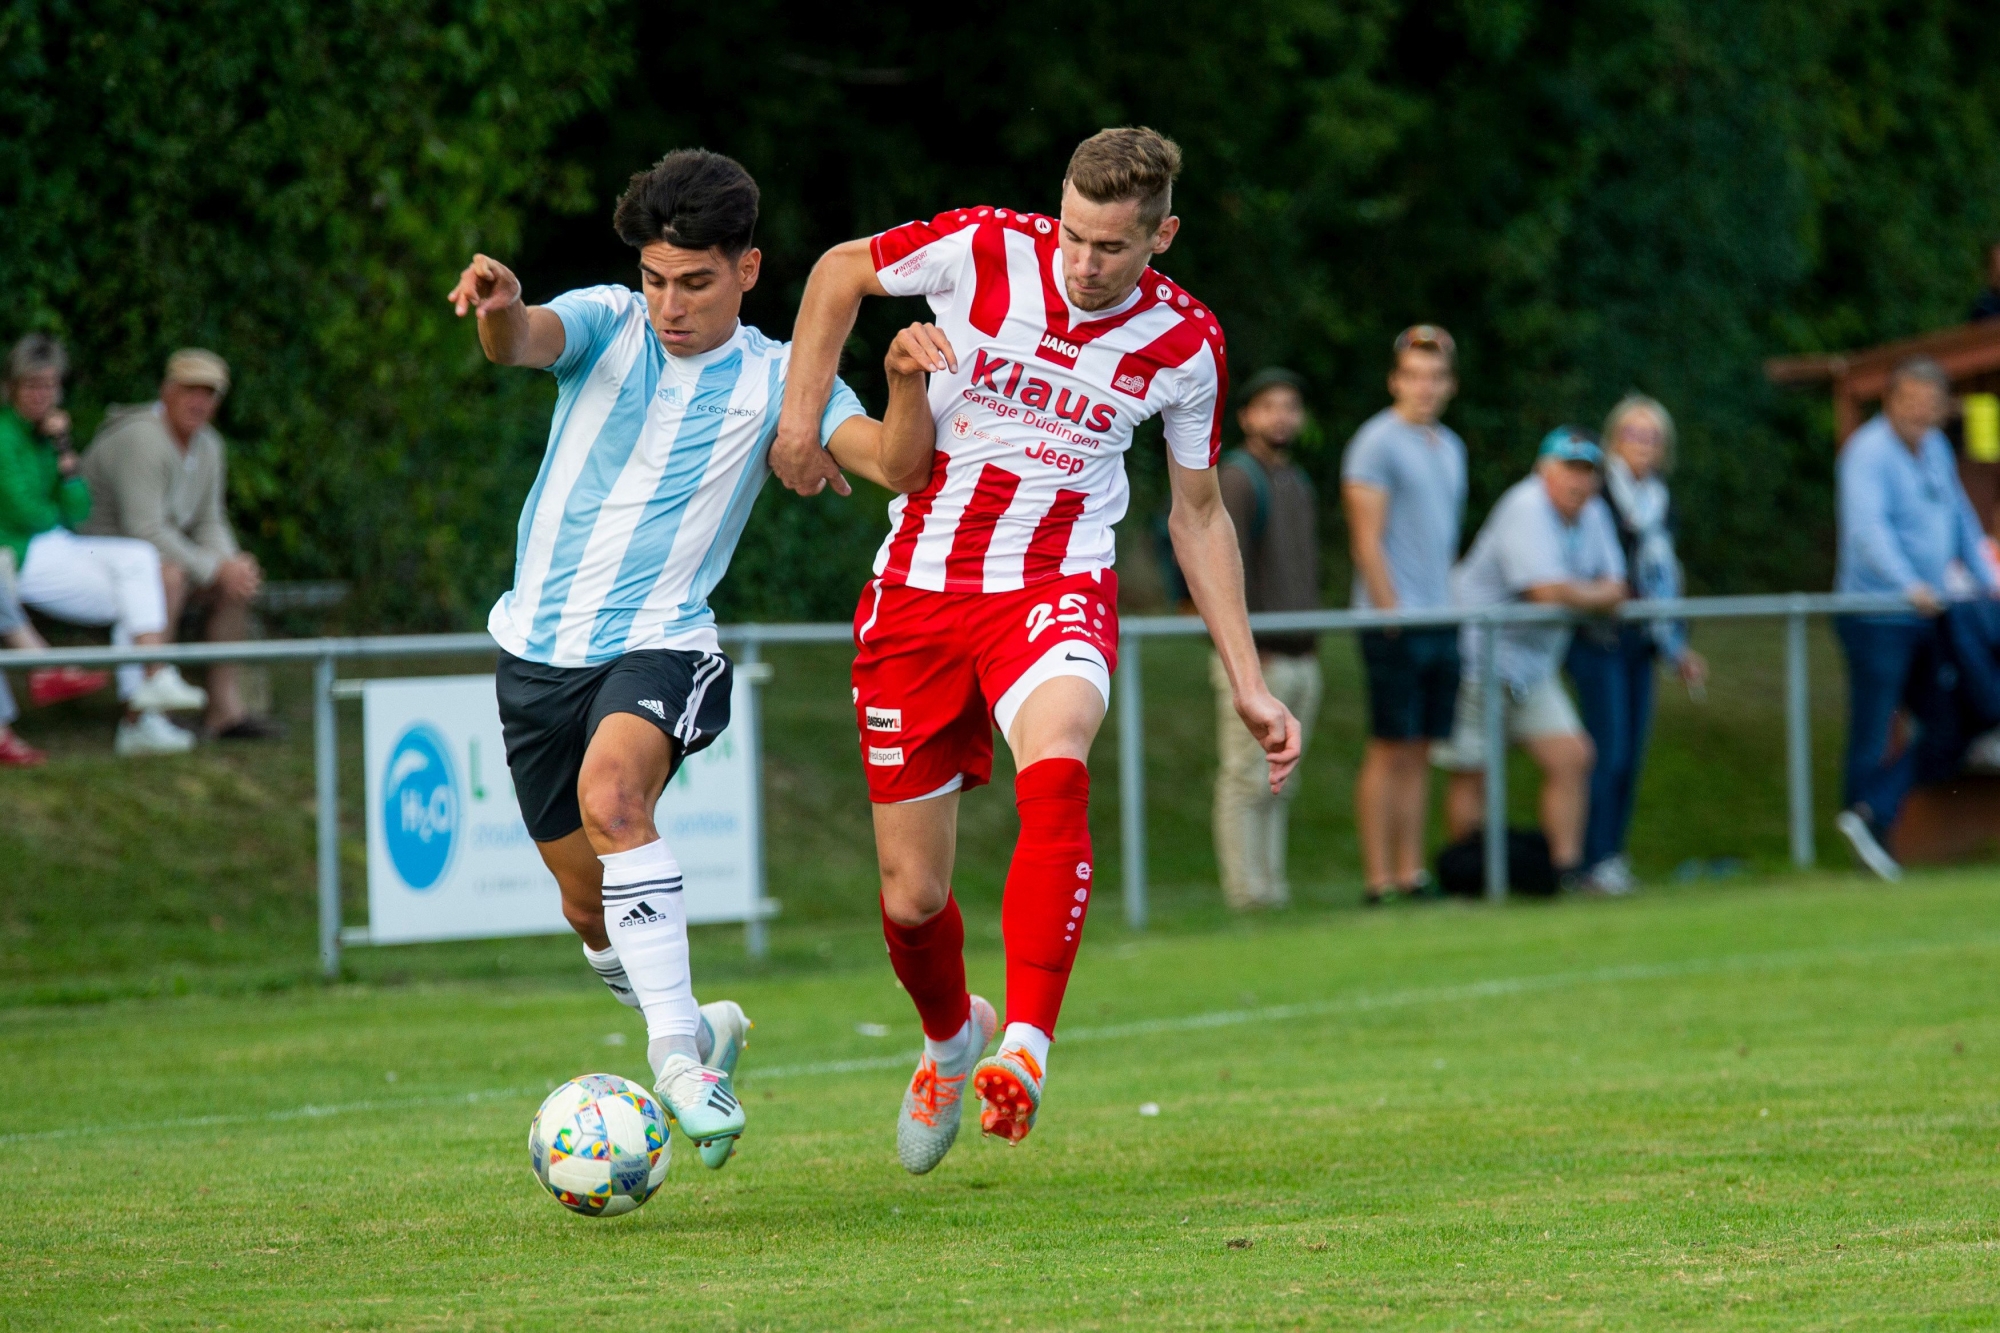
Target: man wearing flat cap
{"type": "Point", "coordinates": [157, 472]}
{"type": "Point", "coordinates": [1272, 503]}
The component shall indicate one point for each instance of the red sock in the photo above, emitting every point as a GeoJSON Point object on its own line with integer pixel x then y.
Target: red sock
{"type": "Point", "coordinates": [1048, 888]}
{"type": "Point", "coordinates": [930, 962]}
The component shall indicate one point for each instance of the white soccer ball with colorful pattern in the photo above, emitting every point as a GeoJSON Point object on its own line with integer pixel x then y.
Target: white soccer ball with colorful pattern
{"type": "Point", "coordinates": [600, 1145]}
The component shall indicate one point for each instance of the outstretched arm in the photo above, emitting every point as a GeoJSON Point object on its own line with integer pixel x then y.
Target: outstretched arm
{"type": "Point", "coordinates": [1205, 545]}
{"type": "Point", "coordinates": [833, 295]}
{"type": "Point", "coordinates": [897, 452]}
{"type": "Point", "coordinates": [511, 333]}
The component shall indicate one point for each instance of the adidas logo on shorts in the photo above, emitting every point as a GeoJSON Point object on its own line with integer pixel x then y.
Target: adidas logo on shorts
{"type": "Point", "coordinates": [642, 915]}
{"type": "Point", "coordinates": [655, 707]}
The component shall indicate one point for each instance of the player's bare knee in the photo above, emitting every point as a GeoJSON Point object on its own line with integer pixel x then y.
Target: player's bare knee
{"type": "Point", "coordinates": [615, 816]}
{"type": "Point", "coordinates": [912, 895]}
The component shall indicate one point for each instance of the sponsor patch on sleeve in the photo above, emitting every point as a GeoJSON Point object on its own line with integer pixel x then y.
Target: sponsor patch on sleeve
{"type": "Point", "coordinates": [885, 756]}
{"type": "Point", "coordinates": [885, 719]}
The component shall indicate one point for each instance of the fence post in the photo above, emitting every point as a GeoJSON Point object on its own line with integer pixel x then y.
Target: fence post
{"type": "Point", "coordinates": [1798, 739]}
{"type": "Point", "coordinates": [756, 937]}
{"type": "Point", "coordinates": [1496, 762]}
{"type": "Point", "coordinates": [326, 792]}
{"type": "Point", "coordinates": [1132, 779]}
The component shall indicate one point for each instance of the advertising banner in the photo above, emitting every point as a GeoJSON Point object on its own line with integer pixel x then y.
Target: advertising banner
{"type": "Point", "coordinates": [448, 855]}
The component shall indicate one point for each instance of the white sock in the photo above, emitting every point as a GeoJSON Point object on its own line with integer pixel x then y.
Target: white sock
{"type": "Point", "coordinates": [1030, 1039]}
{"type": "Point", "coordinates": [952, 1049]}
{"type": "Point", "coordinates": [611, 972]}
{"type": "Point", "coordinates": [659, 1048]}
{"type": "Point", "coordinates": [646, 918]}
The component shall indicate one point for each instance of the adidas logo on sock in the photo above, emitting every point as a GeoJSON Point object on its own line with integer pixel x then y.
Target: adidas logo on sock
{"type": "Point", "coordinates": [655, 707]}
{"type": "Point", "coordinates": [642, 915]}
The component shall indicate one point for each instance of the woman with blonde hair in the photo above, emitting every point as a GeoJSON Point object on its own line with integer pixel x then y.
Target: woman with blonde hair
{"type": "Point", "coordinates": [1612, 663]}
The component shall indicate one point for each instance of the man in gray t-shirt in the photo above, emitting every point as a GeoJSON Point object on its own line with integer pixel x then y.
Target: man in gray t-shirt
{"type": "Point", "coordinates": [1550, 539]}
{"type": "Point", "coordinates": [1402, 482]}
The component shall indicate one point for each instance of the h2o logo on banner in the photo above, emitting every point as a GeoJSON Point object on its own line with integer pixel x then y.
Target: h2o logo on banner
{"type": "Point", "coordinates": [420, 805]}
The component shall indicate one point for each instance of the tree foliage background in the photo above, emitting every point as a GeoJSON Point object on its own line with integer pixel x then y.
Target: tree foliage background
{"type": "Point", "coordinates": [1594, 196]}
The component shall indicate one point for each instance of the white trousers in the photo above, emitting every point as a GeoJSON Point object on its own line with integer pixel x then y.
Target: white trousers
{"type": "Point", "coordinates": [111, 581]}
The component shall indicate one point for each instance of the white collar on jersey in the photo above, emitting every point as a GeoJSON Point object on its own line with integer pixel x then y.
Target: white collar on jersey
{"type": "Point", "coordinates": [687, 369]}
{"type": "Point", "coordinates": [1078, 316]}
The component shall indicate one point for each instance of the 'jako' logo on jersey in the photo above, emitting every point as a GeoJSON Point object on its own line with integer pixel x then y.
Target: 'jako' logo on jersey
{"type": "Point", "coordinates": [885, 719]}
{"type": "Point", "coordinates": [1055, 344]}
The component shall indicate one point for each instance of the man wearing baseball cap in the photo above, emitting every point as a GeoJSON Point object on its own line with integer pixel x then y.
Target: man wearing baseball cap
{"type": "Point", "coordinates": [1549, 539]}
{"type": "Point", "coordinates": [158, 472]}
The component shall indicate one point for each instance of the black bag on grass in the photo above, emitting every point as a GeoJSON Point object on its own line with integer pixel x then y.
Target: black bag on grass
{"type": "Point", "coordinates": [1461, 867]}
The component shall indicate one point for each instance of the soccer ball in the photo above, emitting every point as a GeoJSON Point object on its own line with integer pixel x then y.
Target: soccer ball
{"type": "Point", "coordinates": [600, 1145]}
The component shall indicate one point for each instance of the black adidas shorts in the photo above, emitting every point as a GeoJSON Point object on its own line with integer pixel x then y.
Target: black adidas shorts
{"type": "Point", "coordinates": [548, 715]}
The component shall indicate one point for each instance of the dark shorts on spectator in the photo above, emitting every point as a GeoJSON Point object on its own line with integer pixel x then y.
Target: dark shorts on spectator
{"type": "Point", "coordinates": [548, 715]}
{"type": "Point", "coordinates": [1412, 683]}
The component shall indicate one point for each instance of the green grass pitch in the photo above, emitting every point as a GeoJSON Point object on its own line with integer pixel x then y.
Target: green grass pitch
{"type": "Point", "coordinates": [1766, 1106]}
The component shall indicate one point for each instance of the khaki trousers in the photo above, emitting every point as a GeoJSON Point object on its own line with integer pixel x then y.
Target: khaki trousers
{"type": "Point", "coordinates": [1251, 823]}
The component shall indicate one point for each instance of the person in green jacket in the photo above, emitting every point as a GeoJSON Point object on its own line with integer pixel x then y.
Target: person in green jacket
{"type": "Point", "coordinates": [111, 581]}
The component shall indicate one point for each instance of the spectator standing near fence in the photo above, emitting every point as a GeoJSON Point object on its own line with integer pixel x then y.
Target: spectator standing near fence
{"type": "Point", "coordinates": [1612, 663]}
{"type": "Point", "coordinates": [1276, 512]}
{"type": "Point", "coordinates": [1551, 540]}
{"type": "Point", "coordinates": [1402, 482]}
{"type": "Point", "coordinates": [85, 580]}
{"type": "Point", "coordinates": [1906, 528]}
{"type": "Point", "coordinates": [159, 473]}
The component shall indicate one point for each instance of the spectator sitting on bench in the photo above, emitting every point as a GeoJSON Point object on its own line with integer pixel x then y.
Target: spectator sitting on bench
{"type": "Point", "coordinates": [157, 473]}
{"type": "Point", "coordinates": [50, 685]}
{"type": "Point", "coordinates": [1550, 539]}
{"type": "Point", "coordinates": [84, 580]}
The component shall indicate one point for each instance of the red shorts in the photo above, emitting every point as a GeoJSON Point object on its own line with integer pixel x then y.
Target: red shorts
{"type": "Point", "coordinates": [934, 672]}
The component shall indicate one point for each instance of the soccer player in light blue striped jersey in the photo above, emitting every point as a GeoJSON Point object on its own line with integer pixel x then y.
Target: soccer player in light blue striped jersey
{"type": "Point", "coordinates": [610, 673]}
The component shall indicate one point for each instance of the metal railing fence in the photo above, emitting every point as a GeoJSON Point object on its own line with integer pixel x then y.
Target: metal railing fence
{"type": "Point", "coordinates": [750, 640]}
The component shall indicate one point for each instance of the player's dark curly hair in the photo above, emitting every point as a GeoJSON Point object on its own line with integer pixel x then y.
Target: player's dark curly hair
{"type": "Point", "coordinates": [690, 198]}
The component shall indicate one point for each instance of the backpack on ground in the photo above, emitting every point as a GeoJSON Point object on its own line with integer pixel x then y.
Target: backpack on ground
{"type": "Point", "coordinates": [1461, 867]}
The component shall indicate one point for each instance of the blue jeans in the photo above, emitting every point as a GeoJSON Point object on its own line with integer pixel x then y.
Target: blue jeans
{"type": "Point", "coordinates": [1892, 662]}
{"type": "Point", "coordinates": [1614, 692]}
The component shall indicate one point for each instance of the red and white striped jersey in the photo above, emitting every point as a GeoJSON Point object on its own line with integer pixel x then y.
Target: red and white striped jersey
{"type": "Point", "coordinates": [1033, 427]}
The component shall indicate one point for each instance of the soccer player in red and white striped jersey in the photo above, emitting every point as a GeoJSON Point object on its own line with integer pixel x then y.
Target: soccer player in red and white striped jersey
{"type": "Point", "coordinates": [994, 601]}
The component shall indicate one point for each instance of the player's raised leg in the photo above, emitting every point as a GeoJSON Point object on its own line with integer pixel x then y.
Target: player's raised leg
{"type": "Point", "coordinates": [1048, 892]}
{"type": "Point", "coordinates": [915, 842]}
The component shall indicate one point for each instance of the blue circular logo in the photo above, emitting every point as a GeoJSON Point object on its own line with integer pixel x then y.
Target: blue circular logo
{"type": "Point", "coordinates": [420, 805]}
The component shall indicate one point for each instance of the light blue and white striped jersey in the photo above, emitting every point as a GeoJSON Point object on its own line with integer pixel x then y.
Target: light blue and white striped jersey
{"type": "Point", "coordinates": [652, 466]}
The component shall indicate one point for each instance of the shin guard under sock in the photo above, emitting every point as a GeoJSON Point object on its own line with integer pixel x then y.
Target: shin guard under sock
{"type": "Point", "coordinates": [930, 962]}
{"type": "Point", "coordinates": [646, 918]}
{"type": "Point", "coordinates": [1048, 888]}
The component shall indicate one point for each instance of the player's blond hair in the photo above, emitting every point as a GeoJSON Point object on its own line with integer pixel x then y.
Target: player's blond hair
{"type": "Point", "coordinates": [1131, 162]}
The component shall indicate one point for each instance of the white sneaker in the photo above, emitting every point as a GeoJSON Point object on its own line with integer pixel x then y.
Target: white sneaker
{"type": "Point", "coordinates": [165, 692]}
{"type": "Point", "coordinates": [1612, 877]}
{"type": "Point", "coordinates": [1862, 839]}
{"type": "Point", "coordinates": [151, 733]}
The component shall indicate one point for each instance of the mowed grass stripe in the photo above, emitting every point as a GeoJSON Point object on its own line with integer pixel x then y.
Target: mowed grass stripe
{"type": "Point", "coordinates": [1493, 988]}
